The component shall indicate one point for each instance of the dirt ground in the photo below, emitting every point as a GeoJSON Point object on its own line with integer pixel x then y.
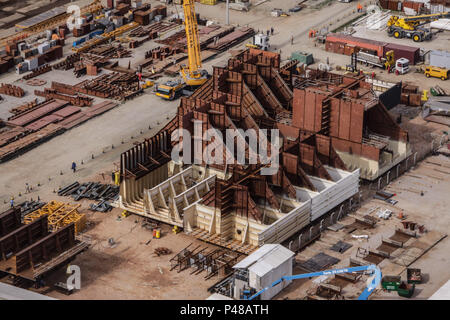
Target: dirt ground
{"type": "Point", "coordinates": [130, 270]}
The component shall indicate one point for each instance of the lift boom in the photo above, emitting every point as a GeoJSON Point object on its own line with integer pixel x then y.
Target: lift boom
{"type": "Point", "coordinates": [410, 27]}
{"type": "Point", "coordinates": [192, 75]}
{"type": "Point", "coordinates": [376, 279]}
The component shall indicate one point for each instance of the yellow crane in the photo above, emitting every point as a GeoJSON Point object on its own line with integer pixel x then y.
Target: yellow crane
{"type": "Point", "coordinates": [411, 27]}
{"type": "Point", "coordinates": [192, 75]}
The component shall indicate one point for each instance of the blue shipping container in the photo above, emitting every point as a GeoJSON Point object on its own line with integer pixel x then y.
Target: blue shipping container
{"type": "Point", "coordinates": [95, 33]}
{"type": "Point", "coordinates": [78, 42]}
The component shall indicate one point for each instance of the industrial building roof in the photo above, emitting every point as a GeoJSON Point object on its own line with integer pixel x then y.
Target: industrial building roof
{"type": "Point", "coordinates": [265, 259]}
{"type": "Point", "coordinates": [218, 296]}
{"type": "Point", "coordinates": [443, 293]}
{"type": "Point", "coordinates": [8, 292]}
{"type": "Point", "coordinates": [41, 17]}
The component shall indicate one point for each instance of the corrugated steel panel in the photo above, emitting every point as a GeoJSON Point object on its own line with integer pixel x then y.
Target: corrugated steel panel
{"type": "Point", "coordinates": [401, 51]}
{"type": "Point", "coordinates": [266, 258]}
{"type": "Point", "coordinates": [8, 292]}
{"type": "Point", "coordinates": [440, 59]}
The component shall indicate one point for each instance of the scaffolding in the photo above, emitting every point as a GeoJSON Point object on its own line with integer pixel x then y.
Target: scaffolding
{"type": "Point", "coordinates": [216, 261]}
{"type": "Point", "coordinates": [59, 215]}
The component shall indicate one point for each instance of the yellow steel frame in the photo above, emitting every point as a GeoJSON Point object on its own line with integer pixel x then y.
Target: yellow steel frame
{"type": "Point", "coordinates": [59, 215]}
{"type": "Point", "coordinates": [89, 44]}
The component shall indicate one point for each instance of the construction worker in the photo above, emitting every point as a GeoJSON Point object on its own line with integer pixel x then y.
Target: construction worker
{"type": "Point", "coordinates": [11, 202]}
{"type": "Point", "coordinates": [310, 33]}
{"type": "Point", "coordinates": [74, 167]}
{"type": "Point", "coordinates": [359, 7]}
{"type": "Point", "coordinates": [27, 188]}
{"type": "Point", "coordinates": [271, 31]}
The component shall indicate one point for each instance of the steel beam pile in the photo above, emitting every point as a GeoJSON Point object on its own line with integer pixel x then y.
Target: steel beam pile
{"type": "Point", "coordinates": [12, 90]}
{"type": "Point", "coordinates": [76, 100]}
{"type": "Point", "coordinates": [68, 63]}
{"type": "Point", "coordinates": [91, 190]}
{"type": "Point", "coordinates": [158, 27]}
{"type": "Point", "coordinates": [110, 51]}
{"type": "Point", "coordinates": [37, 72]}
{"type": "Point", "coordinates": [30, 206]}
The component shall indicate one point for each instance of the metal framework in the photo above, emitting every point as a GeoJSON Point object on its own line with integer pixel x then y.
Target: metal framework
{"type": "Point", "coordinates": [59, 215]}
{"type": "Point", "coordinates": [215, 262]}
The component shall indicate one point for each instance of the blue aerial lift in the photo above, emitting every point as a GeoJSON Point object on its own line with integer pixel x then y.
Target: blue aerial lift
{"type": "Point", "coordinates": [372, 282]}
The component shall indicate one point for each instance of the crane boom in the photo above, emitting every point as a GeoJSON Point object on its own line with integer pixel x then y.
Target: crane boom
{"type": "Point", "coordinates": [411, 27]}
{"type": "Point", "coordinates": [193, 44]}
{"type": "Point", "coordinates": [192, 74]}
{"type": "Point", "coordinates": [363, 296]}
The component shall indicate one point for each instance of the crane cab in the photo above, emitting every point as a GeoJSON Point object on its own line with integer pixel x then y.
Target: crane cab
{"type": "Point", "coordinates": [169, 90]}
{"type": "Point", "coordinates": [193, 79]}
{"type": "Point", "coordinates": [401, 66]}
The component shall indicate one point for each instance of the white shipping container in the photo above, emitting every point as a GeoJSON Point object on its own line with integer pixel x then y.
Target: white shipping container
{"type": "Point", "coordinates": [22, 46]}
{"type": "Point", "coordinates": [136, 4]}
{"type": "Point", "coordinates": [440, 59]}
{"type": "Point", "coordinates": [42, 48]}
{"type": "Point", "coordinates": [32, 63]}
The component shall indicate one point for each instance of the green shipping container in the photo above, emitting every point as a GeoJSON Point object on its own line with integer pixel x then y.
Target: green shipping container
{"type": "Point", "coordinates": [302, 57]}
{"type": "Point", "coordinates": [391, 283]}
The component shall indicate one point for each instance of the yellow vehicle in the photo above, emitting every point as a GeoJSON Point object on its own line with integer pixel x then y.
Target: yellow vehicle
{"type": "Point", "coordinates": [147, 84]}
{"type": "Point", "coordinates": [170, 90]}
{"type": "Point", "coordinates": [436, 72]}
{"type": "Point", "coordinates": [412, 26]}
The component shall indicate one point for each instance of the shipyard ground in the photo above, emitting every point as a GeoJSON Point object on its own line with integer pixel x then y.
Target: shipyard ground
{"type": "Point", "coordinates": [129, 270]}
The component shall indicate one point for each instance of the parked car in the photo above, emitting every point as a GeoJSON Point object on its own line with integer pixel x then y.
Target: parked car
{"type": "Point", "coordinates": [295, 9]}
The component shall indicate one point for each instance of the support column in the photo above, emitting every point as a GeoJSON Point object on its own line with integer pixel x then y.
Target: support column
{"type": "Point", "coordinates": [228, 13]}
